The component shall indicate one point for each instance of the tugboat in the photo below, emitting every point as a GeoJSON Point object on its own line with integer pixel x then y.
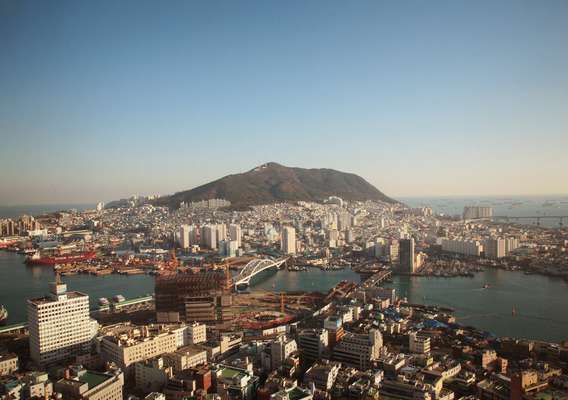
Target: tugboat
{"type": "Point", "coordinates": [3, 315]}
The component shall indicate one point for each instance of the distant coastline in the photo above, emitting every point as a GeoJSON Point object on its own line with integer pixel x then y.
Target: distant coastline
{"type": "Point", "coordinates": [15, 211]}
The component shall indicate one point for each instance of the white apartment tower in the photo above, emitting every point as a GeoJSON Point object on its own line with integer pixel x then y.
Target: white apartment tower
{"type": "Point", "coordinates": [59, 325]}
{"type": "Point", "coordinates": [288, 240]}
{"type": "Point", "coordinates": [184, 236]}
{"type": "Point", "coordinates": [221, 232]}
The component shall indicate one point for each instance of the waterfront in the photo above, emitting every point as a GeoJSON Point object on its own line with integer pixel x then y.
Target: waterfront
{"type": "Point", "coordinates": [18, 282]}
{"type": "Point", "coordinates": [539, 301]}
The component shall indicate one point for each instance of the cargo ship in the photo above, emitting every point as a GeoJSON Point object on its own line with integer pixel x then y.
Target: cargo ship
{"type": "Point", "coordinates": [4, 243]}
{"type": "Point", "coordinates": [36, 259]}
{"type": "Point", "coordinates": [3, 315]}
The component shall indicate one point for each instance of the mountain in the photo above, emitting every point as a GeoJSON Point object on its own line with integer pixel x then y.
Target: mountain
{"type": "Point", "coordinates": [272, 183]}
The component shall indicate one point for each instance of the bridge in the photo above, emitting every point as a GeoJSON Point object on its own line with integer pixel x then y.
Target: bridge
{"type": "Point", "coordinates": [536, 218]}
{"type": "Point", "coordinates": [254, 268]}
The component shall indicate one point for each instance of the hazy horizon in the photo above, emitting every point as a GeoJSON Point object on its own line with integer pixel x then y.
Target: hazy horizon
{"type": "Point", "coordinates": [100, 101]}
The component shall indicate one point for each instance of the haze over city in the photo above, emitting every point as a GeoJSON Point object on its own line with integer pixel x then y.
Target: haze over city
{"type": "Point", "coordinates": [100, 101]}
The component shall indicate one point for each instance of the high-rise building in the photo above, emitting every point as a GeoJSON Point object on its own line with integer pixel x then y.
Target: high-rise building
{"type": "Point", "coordinates": [185, 236]}
{"type": "Point", "coordinates": [406, 258]}
{"type": "Point", "coordinates": [221, 232]}
{"type": "Point", "coordinates": [236, 234]}
{"type": "Point", "coordinates": [59, 324]}
{"type": "Point", "coordinates": [475, 212]}
{"type": "Point", "coordinates": [495, 248]}
{"type": "Point", "coordinates": [203, 296]}
{"type": "Point", "coordinates": [228, 248]}
{"type": "Point", "coordinates": [288, 240]}
{"type": "Point", "coordinates": [209, 236]}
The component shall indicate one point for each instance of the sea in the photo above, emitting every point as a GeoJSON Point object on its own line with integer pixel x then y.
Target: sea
{"type": "Point", "coordinates": [506, 206]}
{"type": "Point", "coordinates": [38, 209]}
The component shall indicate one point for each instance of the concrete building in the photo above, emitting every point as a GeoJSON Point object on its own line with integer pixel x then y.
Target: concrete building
{"type": "Point", "coordinates": [288, 240]}
{"type": "Point", "coordinates": [312, 344]}
{"type": "Point", "coordinates": [407, 257]}
{"type": "Point", "coordinates": [8, 364]}
{"type": "Point", "coordinates": [152, 375]}
{"type": "Point", "coordinates": [359, 350]}
{"type": "Point", "coordinates": [418, 344]}
{"type": "Point", "coordinates": [322, 374]}
{"type": "Point", "coordinates": [80, 384]}
{"type": "Point", "coordinates": [196, 333]}
{"type": "Point", "coordinates": [59, 324]}
{"type": "Point", "coordinates": [461, 246]}
{"type": "Point", "coordinates": [33, 385]}
{"type": "Point", "coordinates": [236, 234]}
{"type": "Point", "coordinates": [221, 232]}
{"type": "Point", "coordinates": [234, 383]}
{"type": "Point", "coordinates": [184, 358]}
{"type": "Point", "coordinates": [228, 248]}
{"type": "Point", "coordinates": [137, 344]}
{"type": "Point", "coordinates": [203, 296]}
{"type": "Point", "coordinates": [209, 236]}
{"type": "Point", "coordinates": [495, 248]}
{"type": "Point", "coordinates": [185, 234]}
{"type": "Point", "coordinates": [475, 212]}
{"type": "Point", "coordinates": [280, 349]}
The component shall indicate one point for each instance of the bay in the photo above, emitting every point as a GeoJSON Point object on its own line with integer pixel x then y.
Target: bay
{"type": "Point", "coordinates": [540, 302]}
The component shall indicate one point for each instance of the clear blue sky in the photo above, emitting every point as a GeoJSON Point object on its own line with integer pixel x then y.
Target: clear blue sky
{"type": "Point", "coordinates": [103, 99]}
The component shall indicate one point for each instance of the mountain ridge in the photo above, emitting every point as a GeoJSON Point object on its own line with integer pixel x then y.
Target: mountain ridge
{"type": "Point", "coordinates": [273, 183]}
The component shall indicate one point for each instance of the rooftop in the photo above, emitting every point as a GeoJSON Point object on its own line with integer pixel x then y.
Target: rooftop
{"type": "Point", "coordinates": [94, 379]}
{"type": "Point", "coordinates": [49, 299]}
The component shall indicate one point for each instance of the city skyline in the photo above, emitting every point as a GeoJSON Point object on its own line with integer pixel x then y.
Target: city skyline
{"type": "Point", "coordinates": [100, 102]}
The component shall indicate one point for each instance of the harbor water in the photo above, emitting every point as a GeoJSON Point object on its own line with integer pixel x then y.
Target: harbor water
{"type": "Point", "coordinates": [540, 302]}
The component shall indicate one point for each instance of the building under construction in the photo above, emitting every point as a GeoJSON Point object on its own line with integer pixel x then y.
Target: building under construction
{"type": "Point", "coordinates": [203, 296]}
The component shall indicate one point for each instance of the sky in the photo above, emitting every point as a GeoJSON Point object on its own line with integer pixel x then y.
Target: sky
{"type": "Point", "coordinates": [100, 100]}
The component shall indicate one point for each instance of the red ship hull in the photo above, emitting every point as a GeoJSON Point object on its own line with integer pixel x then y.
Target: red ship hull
{"type": "Point", "coordinates": [63, 259]}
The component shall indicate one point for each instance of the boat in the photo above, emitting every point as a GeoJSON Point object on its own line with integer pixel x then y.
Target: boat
{"type": "Point", "coordinates": [36, 259]}
{"type": "Point", "coordinates": [118, 298]}
{"type": "Point", "coordinates": [3, 314]}
{"type": "Point", "coordinates": [5, 243]}
{"type": "Point", "coordinates": [486, 286]}
{"type": "Point", "coordinates": [513, 311]}
{"type": "Point", "coordinates": [103, 301]}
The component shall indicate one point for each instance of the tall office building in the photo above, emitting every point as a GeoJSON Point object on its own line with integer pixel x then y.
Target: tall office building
{"type": "Point", "coordinates": [406, 257]}
{"type": "Point", "coordinates": [288, 240]}
{"type": "Point", "coordinates": [59, 324]}
{"type": "Point", "coordinates": [236, 234]}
